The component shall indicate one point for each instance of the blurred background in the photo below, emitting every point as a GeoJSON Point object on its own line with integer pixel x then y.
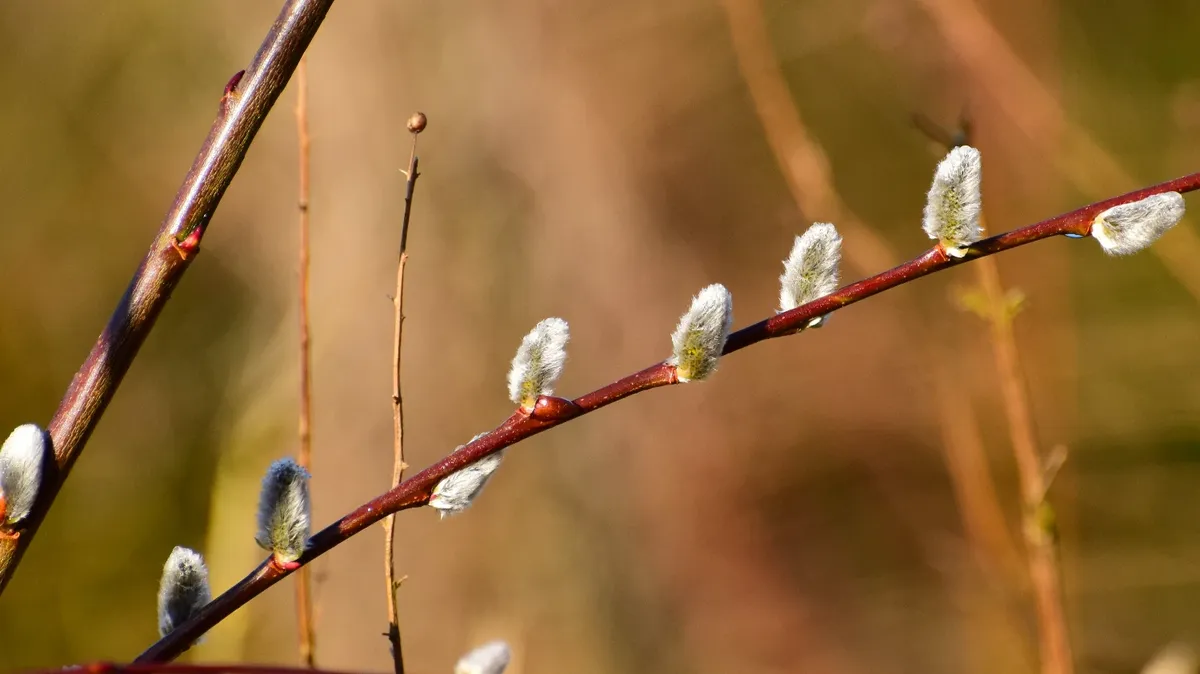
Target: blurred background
{"type": "Point", "coordinates": [840, 501]}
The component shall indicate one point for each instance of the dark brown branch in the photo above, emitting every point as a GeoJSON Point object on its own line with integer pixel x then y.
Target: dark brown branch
{"type": "Point", "coordinates": [304, 613]}
{"type": "Point", "coordinates": [416, 490]}
{"type": "Point", "coordinates": [247, 99]}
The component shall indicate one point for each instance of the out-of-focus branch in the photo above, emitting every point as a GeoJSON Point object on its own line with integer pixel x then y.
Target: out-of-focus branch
{"type": "Point", "coordinates": [247, 99]}
{"type": "Point", "coordinates": [803, 163]}
{"type": "Point", "coordinates": [416, 124]}
{"type": "Point", "coordinates": [304, 611]}
{"type": "Point", "coordinates": [550, 412]}
{"type": "Point", "coordinates": [1042, 555]}
{"type": "Point", "coordinates": [1013, 88]}
{"type": "Point", "coordinates": [1044, 572]}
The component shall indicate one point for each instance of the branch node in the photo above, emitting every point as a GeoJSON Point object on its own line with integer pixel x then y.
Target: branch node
{"type": "Point", "coordinates": [231, 90]}
{"type": "Point", "coordinates": [553, 408]}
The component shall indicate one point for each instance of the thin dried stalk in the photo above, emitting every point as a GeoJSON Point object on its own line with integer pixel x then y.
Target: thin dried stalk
{"type": "Point", "coordinates": [398, 463]}
{"type": "Point", "coordinates": [304, 610]}
{"type": "Point", "coordinates": [1044, 573]}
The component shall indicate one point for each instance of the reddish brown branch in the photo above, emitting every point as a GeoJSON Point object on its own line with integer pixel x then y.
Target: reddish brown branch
{"type": "Point", "coordinates": [304, 612]}
{"type": "Point", "coordinates": [416, 490]}
{"type": "Point", "coordinates": [247, 99]}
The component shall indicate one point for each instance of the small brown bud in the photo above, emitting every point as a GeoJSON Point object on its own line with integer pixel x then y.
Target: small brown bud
{"type": "Point", "coordinates": [553, 408]}
{"type": "Point", "coordinates": [416, 123]}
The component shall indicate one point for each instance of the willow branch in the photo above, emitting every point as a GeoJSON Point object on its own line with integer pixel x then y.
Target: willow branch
{"type": "Point", "coordinates": [304, 612]}
{"type": "Point", "coordinates": [247, 99]}
{"type": "Point", "coordinates": [416, 124]}
{"type": "Point", "coordinates": [550, 412]}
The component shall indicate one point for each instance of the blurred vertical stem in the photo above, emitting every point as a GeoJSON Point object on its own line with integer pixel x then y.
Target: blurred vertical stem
{"type": "Point", "coordinates": [1033, 473]}
{"type": "Point", "coordinates": [416, 124]}
{"type": "Point", "coordinates": [304, 612]}
{"type": "Point", "coordinates": [803, 163]}
{"type": "Point", "coordinates": [1040, 539]}
{"type": "Point", "coordinates": [247, 99]}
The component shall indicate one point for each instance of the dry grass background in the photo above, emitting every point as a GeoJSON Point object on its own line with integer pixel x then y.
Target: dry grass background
{"type": "Point", "coordinates": [602, 161]}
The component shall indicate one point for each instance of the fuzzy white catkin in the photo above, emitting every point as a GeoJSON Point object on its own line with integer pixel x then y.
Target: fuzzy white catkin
{"type": "Point", "coordinates": [700, 336]}
{"type": "Point", "coordinates": [21, 460]}
{"type": "Point", "coordinates": [811, 270]}
{"type": "Point", "coordinates": [457, 491]}
{"type": "Point", "coordinates": [183, 590]}
{"type": "Point", "coordinates": [490, 658]}
{"type": "Point", "coordinates": [284, 515]}
{"type": "Point", "coordinates": [539, 362]}
{"type": "Point", "coordinates": [1129, 228]}
{"type": "Point", "coordinates": [1174, 658]}
{"type": "Point", "coordinates": [955, 201]}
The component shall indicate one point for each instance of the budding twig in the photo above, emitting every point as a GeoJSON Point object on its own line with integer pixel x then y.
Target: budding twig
{"type": "Point", "coordinates": [418, 489]}
{"type": "Point", "coordinates": [416, 124]}
{"type": "Point", "coordinates": [304, 610]}
{"type": "Point", "coordinates": [241, 113]}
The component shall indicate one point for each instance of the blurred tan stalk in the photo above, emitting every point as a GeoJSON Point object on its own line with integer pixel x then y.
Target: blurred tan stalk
{"type": "Point", "coordinates": [304, 612]}
{"type": "Point", "coordinates": [1044, 572]}
{"type": "Point", "coordinates": [809, 178]}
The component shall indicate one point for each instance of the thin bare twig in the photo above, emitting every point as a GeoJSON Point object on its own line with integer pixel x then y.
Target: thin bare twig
{"type": "Point", "coordinates": [248, 97]}
{"type": "Point", "coordinates": [416, 124]}
{"type": "Point", "coordinates": [550, 412]}
{"type": "Point", "coordinates": [304, 611]}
